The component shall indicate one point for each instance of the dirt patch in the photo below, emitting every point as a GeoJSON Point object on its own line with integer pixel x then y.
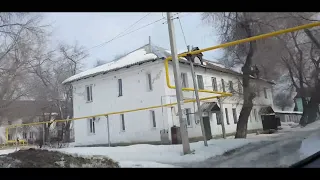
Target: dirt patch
{"type": "Point", "coordinates": [36, 158]}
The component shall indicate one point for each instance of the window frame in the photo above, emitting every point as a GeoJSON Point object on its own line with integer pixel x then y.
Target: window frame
{"type": "Point", "coordinates": [92, 126]}
{"type": "Point", "coordinates": [223, 85]}
{"type": "Point", "coordinates": [120, 88]}
{"type": "Point", "coordinates": [214, 83]}
{"type": "Point", "coordinates": [149, 82]}
{"type": "Point", "coordinates": [153, 119]}
{"type": "Point", "coordinates": [122, 123]}
{"type": "Point", "coordinates": [231, 89]}
{"type": "Point", "coordinates": [235, 116]}
{"type": "Point", "coordinates": [89, 93]}
{"type": "Point", "coordinates": [184, 80]}
{"type": "Point", "coordinates": [227, 115]}
{"type": "Point", "coordinates": [188, 117]}
{"type": "Point", "coordinates": [200, 82]}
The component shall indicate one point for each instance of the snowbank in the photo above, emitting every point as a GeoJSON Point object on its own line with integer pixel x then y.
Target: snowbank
{"type": "Point", "coordinates": [7, 151]}
{"type": "Point", "coordinates": [144, 155]}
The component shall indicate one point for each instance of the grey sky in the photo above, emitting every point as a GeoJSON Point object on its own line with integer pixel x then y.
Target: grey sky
{"type": "Point", "coordinates": [91, 29]}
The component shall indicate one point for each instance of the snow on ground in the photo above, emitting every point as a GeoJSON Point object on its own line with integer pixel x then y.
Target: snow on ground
{"type": "Point", "coordinates": [144, 155]}
{"type": "Point", "coordinates": [310, 145]}
{"type": "Point", "coordinates": [7, 151]}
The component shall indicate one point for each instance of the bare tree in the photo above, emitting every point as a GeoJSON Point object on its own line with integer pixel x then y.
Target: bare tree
{"type": "Point", "coordinates": [99, 63]}
{"type": "Point", "coordinates": [21, 34]}
{"type": "Point", "coordinates": [299, 53]}
{"type": "Point", "coordinates": [234, 26]}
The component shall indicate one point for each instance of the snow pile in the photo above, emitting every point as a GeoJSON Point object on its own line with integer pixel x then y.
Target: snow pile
{"type": "Point", "coordinates": [2, 135]}
{"type": "Point", "coordinates": [35, 158]}
{"type": "Point", "coordinates": [139, 55]}
{"type": "Point", "coordinates": [216, 64]}
{"type": "Point", "coordinates": [144, 155]}
{"type": "Point", "coordinates": [7, 151]}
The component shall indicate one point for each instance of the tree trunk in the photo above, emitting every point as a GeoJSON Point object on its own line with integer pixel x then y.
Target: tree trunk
{"type": "Point", "coordinates": [246, 109]}
{"type": "Point", "coordinates": [248, 95]}
{"type": "Point", "coordinates": [66, 137]}
{"type": "Point", "coordinates": [313, 110]}
{"type": "Point", "coordinates": [304, 117]}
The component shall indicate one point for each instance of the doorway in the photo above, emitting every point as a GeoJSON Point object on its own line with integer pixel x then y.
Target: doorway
{"type": "Point", "coordinates": [207, 127]}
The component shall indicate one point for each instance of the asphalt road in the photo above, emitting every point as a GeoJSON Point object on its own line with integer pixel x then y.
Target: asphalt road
{"type": "Point", "coordinates": [279, 151]}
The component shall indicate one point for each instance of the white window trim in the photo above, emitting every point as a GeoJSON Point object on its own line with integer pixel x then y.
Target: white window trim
{"type": "Point", "coordinates": [90, 93]}
{"type": "Point", "coordinates": [199, 75]}
{"type": "Point", "coordinates": [236, 115]}
{"type": "Point", "coordinates": [124, 123]}
{"type": "Point", "coordinates": [149, 82]}
{"type": "Point", "coordinates": [186, 80]}
{"type": "Point", "coordinates": [151, 119]}
{"type": "Point", "coordinates": [93, 126]}
{"type": "Point", "coordinates": [215, 84]}
{"type": "Point", "coordinates": [223, 85]}
{"type": "Point", "coordinates": [120, 95]}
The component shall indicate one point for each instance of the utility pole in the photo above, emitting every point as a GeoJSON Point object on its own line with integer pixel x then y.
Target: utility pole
{"type": "Point", "coordinates": [222, 118]}
{"type": "Point", "coordinates": [196, 92]}
{"type": "Point", "coordinates": [177, 80]}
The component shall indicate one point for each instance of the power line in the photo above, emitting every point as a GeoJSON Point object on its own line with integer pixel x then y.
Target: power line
{"type": "Point", "coordinates": [134, 24]}
{"type": "Point", "coordinates": [117, 36]}
{"type": "Point", "coordinates": [184, 37]}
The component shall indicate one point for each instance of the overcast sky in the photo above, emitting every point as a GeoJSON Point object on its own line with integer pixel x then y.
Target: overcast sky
{"type": "Point", "coordinates": [91, 29]}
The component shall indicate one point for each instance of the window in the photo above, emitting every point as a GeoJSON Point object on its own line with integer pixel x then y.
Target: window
{"type": "Point", "coordinates": [218, 115]}
{"type": "Point", "coordinates": [214, 83]}
{"type": "Point", "coordinates": [230, 86]}
{"type": "Point", "coordinates": [258, 92]}
{"type": "Point", "coordinates": [149, 81]}
{"type": "Point", "coordinates": [123, 126]}
{"type": "Point", "coordinates": [120, 87]}
{"type": "Point", "coordinates": [89, 93]}
{"type": "Point", "coordinates": [265, 93]}
{"type": "Point", "coordinates": [188, 114]}
{"type": "Point", "coordinates": [200, 82]}
{"type": "Point", "coordinates": [255, 114]}
{"type": "Point", "coordinates": [92, 128]}
{"type": "Point", "coordinates": [240, 87]}
{"type": "Point", "coordinates": [222, 84]}
{"type": "Point", "coordinates": [24, 135]}
{"type": "Point", "coordinates": [227, 117]}
{"type": "Point", "coordinates": [153, 119]}
{"type": "Point", "coordinates": [235, 118]}
{"type": "Point", "coordinates": [31, 135]}
{"type": "Point", "coordinates": [184, 80]}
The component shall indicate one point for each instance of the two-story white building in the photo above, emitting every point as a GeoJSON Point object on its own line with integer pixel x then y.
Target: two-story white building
{"type": "Point", "coordinates": [138, 80]}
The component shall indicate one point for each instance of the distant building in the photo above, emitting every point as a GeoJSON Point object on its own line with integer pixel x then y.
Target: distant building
{"type": "Point", "coordinates": [27, 111]}
{"type": "Point", "coordinates": [138, 80]}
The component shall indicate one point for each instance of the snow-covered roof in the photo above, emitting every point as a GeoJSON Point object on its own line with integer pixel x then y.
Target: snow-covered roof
{"type": "Point", "coordinates": [138, 56]}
